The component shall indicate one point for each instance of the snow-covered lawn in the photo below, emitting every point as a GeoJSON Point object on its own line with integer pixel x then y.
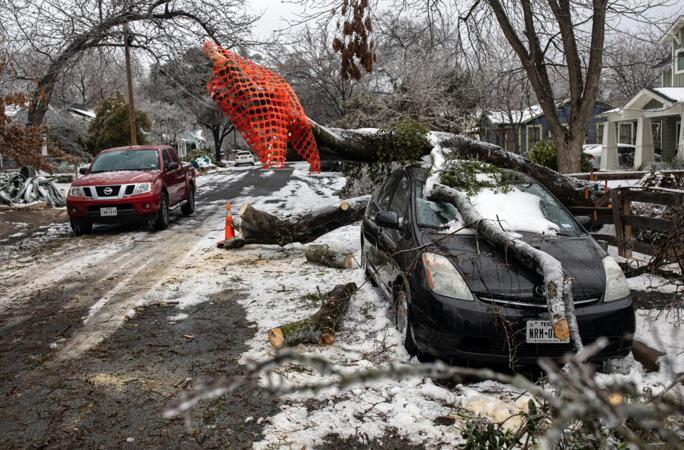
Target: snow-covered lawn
{"type": "Point", "coordinates": [276, 281]}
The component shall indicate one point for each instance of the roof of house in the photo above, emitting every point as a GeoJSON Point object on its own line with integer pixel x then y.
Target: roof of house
{"type": "Point", "coordinates": [522, 116]}
{"type": "Point", "coordinates": [671, 32]}
{"type": "Point", "coordinates": [672, 94]}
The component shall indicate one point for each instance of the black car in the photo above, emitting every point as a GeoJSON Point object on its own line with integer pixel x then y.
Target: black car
{"type": "Point", "coordinates": [457, 298]}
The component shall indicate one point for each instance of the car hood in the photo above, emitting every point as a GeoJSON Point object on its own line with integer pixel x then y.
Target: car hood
{"type": "Point", "coordinates": [118, 177]}
{"type": "Point", "coordinates": [488, 271]}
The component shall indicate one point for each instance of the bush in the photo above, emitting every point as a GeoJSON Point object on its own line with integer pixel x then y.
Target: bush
{"type": "Point", "coordinates": [544, 154]}
{"type": "Point", "coordinates": [111, 128]}
{"type": "Point", "coordinates": [199, 152]}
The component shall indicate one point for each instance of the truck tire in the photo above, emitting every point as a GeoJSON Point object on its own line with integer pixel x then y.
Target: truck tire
{"type": "Point", "coordinates": [81, 227]}
{"type": "Point", "coordinates": [188, 206]}
{"type": "Point", "coordinates": [162, 220]}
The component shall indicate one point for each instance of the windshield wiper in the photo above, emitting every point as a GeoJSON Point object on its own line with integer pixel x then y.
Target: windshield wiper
{"type": "Point", "coordinates": [436, 227]}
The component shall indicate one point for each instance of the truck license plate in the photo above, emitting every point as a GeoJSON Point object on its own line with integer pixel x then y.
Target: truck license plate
{"type": "Point", "coordinates": [108, 212]}
{"type": "Point", "coordinates": [541, 332]}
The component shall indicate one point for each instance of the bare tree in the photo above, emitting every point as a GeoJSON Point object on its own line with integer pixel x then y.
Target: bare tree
{"type": "Point", "coordinates": [630, 66]}
{"type": "Point", "coordinates": [97, 75]}
{"type": "Point", "coordinates": [59, 33]}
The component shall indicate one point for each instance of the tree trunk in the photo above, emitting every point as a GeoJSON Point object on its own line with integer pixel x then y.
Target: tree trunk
{"type": "Point", "coordinates": [258, 227]}
{"type": "Point", "coordinates": [558, 287]}
{"type": "Point", "coordinates": [361, 146]}
{"type": "Point", "coordinates": [569, 153]}
{"type": "Point", "coordinates": [320, 327]}
{"type": "Point", "coordinates": [324, 255]}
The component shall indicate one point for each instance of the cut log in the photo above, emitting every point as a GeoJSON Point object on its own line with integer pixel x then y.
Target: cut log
{"type": "Point", "coordinates": [259, 227]}
{"type": "Point", "coordinates": [320, 327]}
{"type": "Point", "coordinates": [558, 287]}
{"type": "Point", "coordinates": [324, 255]}
{"type": "Point", "coordinates": [647, 356]}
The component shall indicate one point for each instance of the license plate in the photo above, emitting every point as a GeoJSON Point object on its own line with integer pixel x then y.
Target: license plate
{"type": "Point", "coordinates": [541, 332]}
{"type": "Point", "coordinates": [108, 212]}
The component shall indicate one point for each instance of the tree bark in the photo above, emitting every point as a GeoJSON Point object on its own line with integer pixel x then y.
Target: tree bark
{"type": "Point", "coordinates": [558, 286]}
{"type": "Point", "coordinates": [320, 327]}
{"type": "Point", "coordinates": [324, 255]}
{"type": "Point", "coordinates": [259, 227]}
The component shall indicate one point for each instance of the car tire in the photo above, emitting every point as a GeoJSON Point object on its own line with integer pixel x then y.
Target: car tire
{"type": "Point", "coordinates": [402, 318]}
{"type": "Point", "coordinates": [81, 227]}
{"type": "Point", "coordinates": [188, 206]}
{"type": "Point", "coordinates": [162, 220]}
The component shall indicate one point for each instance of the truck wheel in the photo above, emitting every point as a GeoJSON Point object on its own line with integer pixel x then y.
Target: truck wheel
{"type": "Point", "coordinates": [81, 227]}
{"type": "Point", "coordinates": [188, 206]}
{"type": "Point", "coordinates": [162, 220]}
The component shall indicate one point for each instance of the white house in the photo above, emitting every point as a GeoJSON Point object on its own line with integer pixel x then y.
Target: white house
{"type": "Point", "coordinates": [652, 119]}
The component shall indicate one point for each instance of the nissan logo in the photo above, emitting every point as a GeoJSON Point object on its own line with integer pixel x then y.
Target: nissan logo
{"type": "Point", "coordinates": [107, 191]}
{"type": "Point", "coordinates": [540, 290]}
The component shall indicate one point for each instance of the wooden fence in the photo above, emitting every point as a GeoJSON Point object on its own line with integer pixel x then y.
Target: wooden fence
{"type": "Point", "coordinates": [616, 208]}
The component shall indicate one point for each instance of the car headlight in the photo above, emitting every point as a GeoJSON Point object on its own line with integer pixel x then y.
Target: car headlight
{"type": "Point", "coordinates": [443, 277]}
{"type": "Point", "coordinates": [616, 283]}
{"type": "Point", "coordinates": [142, 188]}
{"type": "Point", "coordinates": [76, 192]}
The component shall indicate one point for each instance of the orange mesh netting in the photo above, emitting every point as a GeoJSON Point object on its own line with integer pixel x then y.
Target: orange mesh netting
{"type": "Point", "coordinates": [262, 106]}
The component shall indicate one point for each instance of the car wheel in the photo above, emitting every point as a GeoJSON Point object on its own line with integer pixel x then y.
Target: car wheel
{"type": "Point", "coordinates": [364, 266]}
{"type": "Point", "coordinates": [81, 227]}
{"type": "Point", "coordinates": [162, 221]}
{"type": "Point", "coordinates": [402, 319]}
{"type": "Point", "coordinates": [188, 207]}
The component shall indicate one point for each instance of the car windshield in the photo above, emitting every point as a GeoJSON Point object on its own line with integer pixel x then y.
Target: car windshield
{"type": "Point", "coordinates": [125, 160]}
{"type": "Point", "coordinates": [527, 207]}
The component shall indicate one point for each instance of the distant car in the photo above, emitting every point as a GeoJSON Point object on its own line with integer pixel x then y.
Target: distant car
{"type": "Point", "coordinates": [139, 183]}
{"type": "Point", "coordinates": [625, 155]}
{"type": "Point", "coordinates": [244, 157]}
{"type": "Point", "coordinates": [456, 297]}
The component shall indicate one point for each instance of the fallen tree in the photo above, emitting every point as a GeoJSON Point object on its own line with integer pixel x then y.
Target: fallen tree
{"type": "Point", "coordinates": [320, 327]}
{"type": "Point", "coordinates": [364, 146]}
{"type": "Point", "coordinates": [259, 227]}
{"type": "Point", "coordinates": [326, 256]}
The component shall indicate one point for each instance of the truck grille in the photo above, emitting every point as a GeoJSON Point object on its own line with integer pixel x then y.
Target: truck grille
{"type": "Point", "coordinates": [107, 191]}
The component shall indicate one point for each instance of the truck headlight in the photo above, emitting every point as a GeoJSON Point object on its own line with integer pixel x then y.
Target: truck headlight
{"type": "Point", "coordinates": [76, 192]}
{"type": "Point", "coordinates": [142, 188]}
{"type": "Point", "coordinates": [443, 278]}
{"type": "Point", "coordinates": [616, 283]}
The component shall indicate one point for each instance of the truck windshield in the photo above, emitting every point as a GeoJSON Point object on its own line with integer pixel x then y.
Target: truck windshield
{"type": "Point", "coordinates": [125, 160]}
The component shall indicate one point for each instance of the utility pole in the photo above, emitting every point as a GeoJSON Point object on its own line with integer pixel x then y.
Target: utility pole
{"type": "Point", "coordinates": [129, 78]}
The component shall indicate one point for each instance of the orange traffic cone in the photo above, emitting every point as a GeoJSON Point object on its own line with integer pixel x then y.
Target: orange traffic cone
{"type": "Point", "coordinates": [229, 233]}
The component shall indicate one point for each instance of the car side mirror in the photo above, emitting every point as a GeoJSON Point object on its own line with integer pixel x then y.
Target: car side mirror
{"type": "Point", "coordinates": [173, 165]}
{"type": "Point", "coordinates": [585, 221]}
{"type": "Point", "coordinates": [387, 219]}
{"type": "Point", "coordinates": [83, 170]}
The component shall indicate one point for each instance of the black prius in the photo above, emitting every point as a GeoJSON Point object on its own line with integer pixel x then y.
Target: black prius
{"type": "Point", "coordinates": [457, 298]}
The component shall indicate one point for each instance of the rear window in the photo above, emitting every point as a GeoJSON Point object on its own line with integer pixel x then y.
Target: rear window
{"type": "Point", "coordinates": [125, 160]}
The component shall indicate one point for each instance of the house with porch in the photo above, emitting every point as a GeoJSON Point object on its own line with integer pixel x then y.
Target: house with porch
{"type": "Point", "coordinates": [652, 119]}
{"type": "Point", "coordinates": [517, 131]}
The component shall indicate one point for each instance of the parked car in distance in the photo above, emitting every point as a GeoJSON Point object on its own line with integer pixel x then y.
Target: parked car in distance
{"type": "Point", "coordinates": [458, 298]}
{"type": "Point", "coordinates": [138, 183]}
{"type": "Point", "coordinates": [625, 155]}
{"type": "Point", "coordinates": [244, 157]}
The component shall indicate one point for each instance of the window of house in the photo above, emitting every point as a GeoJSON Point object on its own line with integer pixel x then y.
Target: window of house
{"type": "Point", "coordinates": [680, 61]}
{"type": "Point", "coordinates": [626, 133]}
{"type": "Point", "coordinates": [678, 131]}
{"type": "Point", "coordinates": [534, 135]}
{"type": "Point", "coordinates": [599, 133]}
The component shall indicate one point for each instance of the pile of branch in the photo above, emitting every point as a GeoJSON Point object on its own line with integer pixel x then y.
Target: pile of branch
{"type": "Point", "coordinates": [15, 188]}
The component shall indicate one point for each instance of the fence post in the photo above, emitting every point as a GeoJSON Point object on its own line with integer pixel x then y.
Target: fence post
{"type": "Point", "coordinates": [617, 220]}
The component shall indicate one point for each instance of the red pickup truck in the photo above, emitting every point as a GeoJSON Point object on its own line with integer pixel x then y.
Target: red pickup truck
{"type": "Point", "coordinates": [138, 183]}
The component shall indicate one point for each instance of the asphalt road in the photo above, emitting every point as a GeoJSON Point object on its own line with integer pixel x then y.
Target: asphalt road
{"type": "Point", "coordinates": [103, 381]}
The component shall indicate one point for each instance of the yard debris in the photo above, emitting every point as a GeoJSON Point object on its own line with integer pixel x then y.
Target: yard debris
{"type": "Point", "coordinates": [324, 255]}
{"type": "Point", "coordinates": [647, 356]}
{"type": "Point", "coordinates": [202, 162]}
{"type": "Point", "coordinates": [320, 327]}
{"type": "Point", "coordinates": [27, 188]}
